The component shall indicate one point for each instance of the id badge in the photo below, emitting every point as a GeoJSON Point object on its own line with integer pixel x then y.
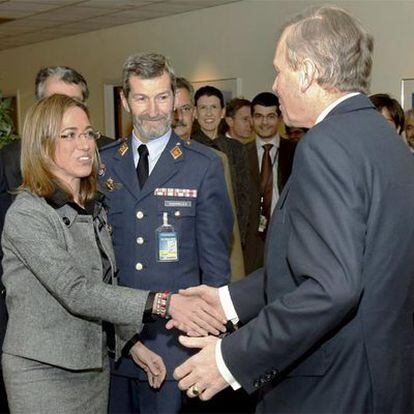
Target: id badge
{"type": "Point", "coordinates": [167, 242]}
{"type": "Point", "coordinates": [262, 223]}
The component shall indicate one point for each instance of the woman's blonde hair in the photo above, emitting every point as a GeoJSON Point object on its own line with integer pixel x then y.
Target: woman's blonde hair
{"type": "Point", "coordinates": [41, 130]}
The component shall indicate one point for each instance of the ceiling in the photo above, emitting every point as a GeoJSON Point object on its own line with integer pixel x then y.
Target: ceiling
{"type": "Point", "coordinates": [30, 21]}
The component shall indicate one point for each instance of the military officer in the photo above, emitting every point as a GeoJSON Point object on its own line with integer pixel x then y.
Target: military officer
{"type": "Point", "coordinates": [171, 219]}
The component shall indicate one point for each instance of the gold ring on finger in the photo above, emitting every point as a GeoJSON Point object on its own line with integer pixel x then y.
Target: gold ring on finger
{"type": "Point", "coordinates": [195, 390]}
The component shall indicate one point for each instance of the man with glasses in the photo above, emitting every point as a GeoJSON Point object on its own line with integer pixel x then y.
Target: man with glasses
{"type": "Point", "coordinates": [184, 114]}
{"type": "Point", "coordinates": [270, 161]}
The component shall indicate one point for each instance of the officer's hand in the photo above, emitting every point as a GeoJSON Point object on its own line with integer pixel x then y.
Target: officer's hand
{"type": "Point", "coordinates": [194, 316]}
{"type": "Point", "coordinates": [151, 363]}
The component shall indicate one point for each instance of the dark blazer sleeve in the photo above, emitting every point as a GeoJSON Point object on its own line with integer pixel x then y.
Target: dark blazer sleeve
{"type": "Point", "coordinates": [324, 212]}
{"type": "Point", "coordinates": [214, 226]}
{"type": "Point", "coordinates": [248, 295]}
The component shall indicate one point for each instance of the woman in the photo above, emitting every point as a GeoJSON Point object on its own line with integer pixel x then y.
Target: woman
{"type": "Point", "coordinates": [390, 109]}
{"type": "Point", "coordinates": [58, 269]}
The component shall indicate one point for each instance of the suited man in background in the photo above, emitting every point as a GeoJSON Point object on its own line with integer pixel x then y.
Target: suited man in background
{"type": "Point", "coordinates": [409, 128]}
{"type": "Point", "coordinates": [328, 320]}
{"type": "Point", "coordinates": [50, 80]}
{"type": "Point", "coordinates": [270, 160]}
{"type": "Point", "coordinates": [238, 120]}
{"type": "Point", "coordinates": [171, 219]}
{"type": "Point", "coordinates": [183, 124]}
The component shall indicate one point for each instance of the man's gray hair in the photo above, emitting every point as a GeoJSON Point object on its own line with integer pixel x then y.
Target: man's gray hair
{"type": "Point", "coordinates": [183, 83]}
{"type": "Point", "coordinates": [338, 45]}
{"type": "Point", "coordinates": [409, 113]}
{"type": "Point", "coordinates": [63, 73]}
{"type": "Point", "coordinates": [146, 66]}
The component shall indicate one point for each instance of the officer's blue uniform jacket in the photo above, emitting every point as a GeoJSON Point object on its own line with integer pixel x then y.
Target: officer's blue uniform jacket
{"type": "Point", "coordinates": [188, 183]}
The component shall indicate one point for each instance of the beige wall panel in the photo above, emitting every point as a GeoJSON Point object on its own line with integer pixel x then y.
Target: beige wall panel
{"type": "Point", "coordinates": [230, 41]}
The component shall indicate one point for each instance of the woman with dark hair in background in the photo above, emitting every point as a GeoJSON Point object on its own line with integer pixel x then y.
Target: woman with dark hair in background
{"type": "Point", "coordinates": [390, 109]}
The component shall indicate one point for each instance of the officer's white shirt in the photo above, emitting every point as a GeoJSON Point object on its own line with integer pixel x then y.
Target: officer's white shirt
{"type": "Point", "coordinates": [155, 149]}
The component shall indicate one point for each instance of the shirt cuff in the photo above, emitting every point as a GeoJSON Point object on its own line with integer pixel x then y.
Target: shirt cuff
{"type": "Point", "coordinates": [224, 371]}
{"type": "Point", "coordinates": [227, 305]}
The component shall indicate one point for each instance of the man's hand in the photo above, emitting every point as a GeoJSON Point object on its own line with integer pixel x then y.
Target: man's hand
{"type": "Point", "coordinates": [199, 375]}
{"type": "Point", "coordinates": [207, 293]}
{"type": "Point", "coordinates": [195, 316]}
{"type": "Point", "coordinates": [150, 362]}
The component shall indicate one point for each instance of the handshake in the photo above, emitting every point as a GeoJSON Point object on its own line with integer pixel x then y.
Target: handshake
{"type": "Point", "coordinates": [196, 311]}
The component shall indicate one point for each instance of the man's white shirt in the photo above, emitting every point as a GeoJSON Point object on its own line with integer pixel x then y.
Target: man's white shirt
{"type": "Point", "coordinates": [155, 149]}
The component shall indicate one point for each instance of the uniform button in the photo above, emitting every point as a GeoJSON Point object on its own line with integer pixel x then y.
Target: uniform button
{"type": "Point", "coordinates": [256, 384]}
{"type": "Point", "coordinates": [140, 240]}
{"type": "Point", "coordinates": [140, 215]}
{"type": "Point", "coordinates": [177, 213]}
{"type": "Point", "coordinates": [139, 266]}
{"type": "Point", "coordinates": [66, 221]}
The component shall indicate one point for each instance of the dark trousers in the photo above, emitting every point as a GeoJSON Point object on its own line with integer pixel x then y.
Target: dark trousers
{"type": "Point", "coordinates": [131, 396]}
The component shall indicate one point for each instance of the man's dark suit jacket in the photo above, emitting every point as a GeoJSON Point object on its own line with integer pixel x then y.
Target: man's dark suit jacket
{"type": "Point", "coordinates": [254, 243]}
{"type": "Point", "coordinates": [330, 316]}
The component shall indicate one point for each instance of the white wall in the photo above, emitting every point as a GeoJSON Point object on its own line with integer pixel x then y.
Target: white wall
{"type": "Point", "coordinates": [233, 40]}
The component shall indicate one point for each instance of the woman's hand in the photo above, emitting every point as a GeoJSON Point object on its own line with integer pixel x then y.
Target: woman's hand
{"type": "Point", "coordinates": [150, 362]}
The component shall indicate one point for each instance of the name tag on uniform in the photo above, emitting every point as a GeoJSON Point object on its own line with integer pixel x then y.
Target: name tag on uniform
{"type": "Point", "coordinates": [178, 203]}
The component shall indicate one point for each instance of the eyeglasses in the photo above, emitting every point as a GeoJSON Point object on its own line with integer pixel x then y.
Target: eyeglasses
{"type": "Point", "coordinates": [90, 135]}
{"type": "Point", "coordinates": [186, 109]}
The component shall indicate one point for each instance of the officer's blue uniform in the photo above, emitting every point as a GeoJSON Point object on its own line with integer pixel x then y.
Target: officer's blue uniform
{"type": "Point", "coordinates": [188, 183]}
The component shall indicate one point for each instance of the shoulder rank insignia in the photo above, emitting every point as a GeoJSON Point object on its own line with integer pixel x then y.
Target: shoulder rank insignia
{"type": "Point", "coordinates": [176, 152]}
{"type": "Point", "coordinates": [110, 184]}
{"type": "Point", "coordinates": [123, 149]}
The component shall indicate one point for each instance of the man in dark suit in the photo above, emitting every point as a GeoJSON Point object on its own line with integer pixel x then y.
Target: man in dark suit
{"type": "Point", "coordinates": [329, 319]}
{"type": "Point", "coordinates": [265, 188]}
{"type": "Point", "coordinates": [183, 126]}
{"type": "Point", "coordinates": [49, 80]}
{"type": "Point", "coordinates": [171, 218]}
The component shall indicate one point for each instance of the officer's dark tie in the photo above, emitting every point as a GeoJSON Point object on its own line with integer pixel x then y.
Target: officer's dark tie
{"type": "Point", "coordinates": [266, 181]}
{"type": "Point", "coordinates": [142, 167]}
